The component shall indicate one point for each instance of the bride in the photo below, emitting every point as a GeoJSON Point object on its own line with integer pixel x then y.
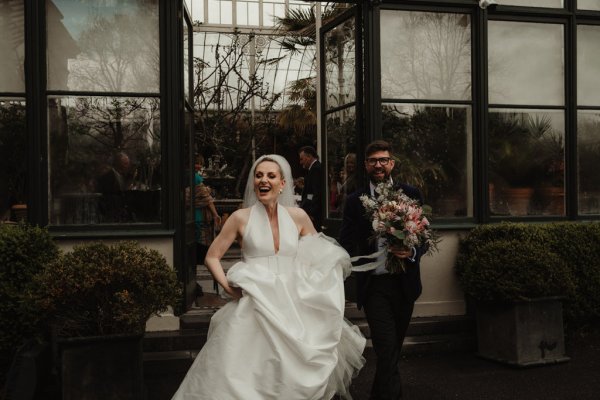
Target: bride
{"type": "Point", "coordinates": [285, 336]}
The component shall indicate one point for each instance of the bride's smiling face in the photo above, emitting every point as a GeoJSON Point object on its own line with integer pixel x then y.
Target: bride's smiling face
{"type": "Point", "coordinates": [268, 181]}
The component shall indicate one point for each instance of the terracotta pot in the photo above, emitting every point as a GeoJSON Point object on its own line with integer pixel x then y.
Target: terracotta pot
{"type": "Point", "coordinates": [517, 200]}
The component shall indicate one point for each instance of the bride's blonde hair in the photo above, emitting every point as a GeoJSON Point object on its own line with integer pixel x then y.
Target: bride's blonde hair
{"type": "Point", "coordinates": [286, 198]}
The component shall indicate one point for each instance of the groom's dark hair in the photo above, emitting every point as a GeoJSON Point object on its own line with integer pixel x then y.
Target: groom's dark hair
{"type": "Point", "coordinates": [378, 145]}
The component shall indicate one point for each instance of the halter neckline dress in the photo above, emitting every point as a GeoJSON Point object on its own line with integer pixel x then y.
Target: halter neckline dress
{"type": "Point", "coordinates": [286, 338]}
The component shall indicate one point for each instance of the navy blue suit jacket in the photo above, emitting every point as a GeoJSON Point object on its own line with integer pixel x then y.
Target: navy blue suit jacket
{"type": "Point", "coordinates": [311, 195]}
{"type": "Point", "coordinates": [355, 237]}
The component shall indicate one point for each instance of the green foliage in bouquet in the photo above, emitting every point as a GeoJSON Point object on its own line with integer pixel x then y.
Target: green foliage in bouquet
{"type": "Point", "coordinates": [99, 289]}
{"type": "Point", "coordinates": [24, 252]}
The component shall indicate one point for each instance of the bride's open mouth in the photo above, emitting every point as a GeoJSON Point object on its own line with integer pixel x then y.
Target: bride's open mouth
{"type": "Point", "coordinates": [264, 189]}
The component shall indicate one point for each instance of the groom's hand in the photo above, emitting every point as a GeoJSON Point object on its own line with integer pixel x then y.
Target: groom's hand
{"type": "Point", "coordinates": [401, 251]}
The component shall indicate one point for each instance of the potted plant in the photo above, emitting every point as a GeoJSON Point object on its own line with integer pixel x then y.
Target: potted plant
{"type": "Point", "coordinates": [98, 298]}
{"type": "Point", "coordinates": [13, 150]}
{"type": "Point", "coordinates": [516, 283]}
{"type": "Point", "coordinates": [24, 252]}
{"type": "Point", "coordinates": [525, 154]}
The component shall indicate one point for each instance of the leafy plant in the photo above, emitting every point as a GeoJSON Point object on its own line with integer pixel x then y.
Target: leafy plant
{"type": "Point", "coordinates": [512, 261]}
{"type": "Point", "coordinates": [24, 252]}
{"type": "Point", "coordinates": [525, 150]}
{"type": "Point", "coordinates": [99, 289]}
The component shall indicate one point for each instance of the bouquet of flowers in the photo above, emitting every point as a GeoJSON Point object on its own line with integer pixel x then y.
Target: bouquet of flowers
{"type": "Point", "coordinates": [401, 221]}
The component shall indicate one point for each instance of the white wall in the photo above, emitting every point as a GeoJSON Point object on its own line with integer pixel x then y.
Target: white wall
{"type": "Point", "coordinates": [442, 294]}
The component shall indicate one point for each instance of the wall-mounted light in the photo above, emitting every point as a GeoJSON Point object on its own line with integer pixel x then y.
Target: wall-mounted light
{"type": "Point", "coordinates": [486, 3]}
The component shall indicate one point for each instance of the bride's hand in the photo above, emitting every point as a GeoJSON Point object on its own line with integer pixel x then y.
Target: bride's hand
{"type": "Point", "coordinates": [234, 292]}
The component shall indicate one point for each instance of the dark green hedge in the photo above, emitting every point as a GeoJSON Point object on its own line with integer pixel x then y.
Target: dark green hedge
{"type": "Point", "coordinates": [24, 252]}
{"type": "Point", "coordinates": [100, 289]}
{"type": "Point", "coordinates": [512, 261]}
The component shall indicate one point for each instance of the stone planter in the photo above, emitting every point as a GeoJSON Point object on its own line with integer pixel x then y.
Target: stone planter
{"type": "Point", "coordinates": [101, 367]}
{"type": "Point", "coordinates": [522, 334]}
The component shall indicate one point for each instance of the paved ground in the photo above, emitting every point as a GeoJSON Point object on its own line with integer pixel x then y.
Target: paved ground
{"type": "Point", "coordinates": [464, 376]}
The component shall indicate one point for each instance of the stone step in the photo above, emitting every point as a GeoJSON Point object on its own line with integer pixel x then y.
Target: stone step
{"type": "Point", "coordinates": [169, 367]}
{"type": "Point", "coordinates": [423, 334]}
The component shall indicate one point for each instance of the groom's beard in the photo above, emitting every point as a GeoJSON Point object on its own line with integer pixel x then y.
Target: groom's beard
{"type": "Point", "coordinates": [378, 179]}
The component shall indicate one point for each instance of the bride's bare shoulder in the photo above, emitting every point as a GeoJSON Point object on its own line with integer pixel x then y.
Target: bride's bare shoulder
{"type": "Point", "coordinates": [241, 215]}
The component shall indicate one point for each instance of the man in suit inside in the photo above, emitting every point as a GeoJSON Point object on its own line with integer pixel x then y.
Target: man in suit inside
{"type": "Point", "coordinates": [387, 299]}
{"type": "Point", "coordinates": [311, 193]}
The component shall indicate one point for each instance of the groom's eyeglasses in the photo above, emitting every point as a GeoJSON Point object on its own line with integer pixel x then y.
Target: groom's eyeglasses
{"type": "Point", "coordinates": [382, 160]}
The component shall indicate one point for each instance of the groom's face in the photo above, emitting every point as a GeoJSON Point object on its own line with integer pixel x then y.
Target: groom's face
{"type": "Point", "coordinates": [379, 166]}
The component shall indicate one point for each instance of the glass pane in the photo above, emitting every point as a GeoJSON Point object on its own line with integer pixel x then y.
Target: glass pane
{"type": "Point", "coordinates": [588, 65]}
{"type": "Point", "coordinates": [536, 3]}
{"type": "Point", "coordinates": [187, 36]}
{"type": "Point", "coordinates": [13, 160]}
{"type": "Point", "coordinates": [103, 46]}
{"type": "Point", "coordinates": [433, 147]}
{"type": "Point", "coordinates": [214, 12]}
{"type": "Point", "coordinates": [588, 5]}
{"type": "Point", "coordinates": [12, 47]}
{"type": "Point", "coordinates": [104, 160]}
{"type": "Point", "coordinates": [588, 151]}
{"type": "Point", "coordinates": [526, 63]}
{"type": "Point", "coordinates": [425, 55]}
{"type": "Point", "coordinates": [242, 13]}
{"type": "Point", "coordinates": [197, 11]}
{"type": "Point", "coordinates": [188, 176]}
{"type": "Point", "coordinates": [226, 12]}
{"type": "Point", "coordinates": [340, 63]}
{"type": "Point", "coordinates": [526, 162]}
{"type": "Point", "coordinates": [341, 159]}
{"type": "Point", "coordinates": [253, 14]}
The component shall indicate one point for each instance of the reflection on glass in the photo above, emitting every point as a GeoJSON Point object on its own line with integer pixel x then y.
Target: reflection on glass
{"type": "Point", "coordinates": [104, 160]}
{"type": "Point", "coordinates": [13, 160]}
{"type": "Point", "coordinates": [588, 159]}
{"type": "Point", "coordinates": [588, 5]}
{"type": "Point", "coordinates": [12, 47]}
{"type": "Point", "coordinates": [103, 46]}
{"type": "Point", "coordinates": [525, 63]}
{"type": "Point", "coordinates": [340, 60]}
{"type": "Point", "coordinates": [188, 165]}
{"type": "Point", "coordinates": [588, 65]}
{"type": "Point", "coordinates": [187, 31]}
{"type": "Point", "coordinates": [536, 3]}
{"type": "Point", "coordinates": [340, 159]}
{"type": "Point", "coordinates": [432, 144]}
{"type": "Point", "coordinates": [526, 162]}
{"type": "Point", "coordinates": [425, 55]}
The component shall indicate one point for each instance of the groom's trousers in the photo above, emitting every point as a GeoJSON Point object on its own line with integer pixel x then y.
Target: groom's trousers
{"type": "Point", "coordinates": [388, 314]}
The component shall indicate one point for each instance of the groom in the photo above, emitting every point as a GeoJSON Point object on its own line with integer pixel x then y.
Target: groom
{"type": "Point", "coordinates": [388, 299]}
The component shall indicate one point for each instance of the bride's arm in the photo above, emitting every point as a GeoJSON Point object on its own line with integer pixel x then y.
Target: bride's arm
{"type": "Point", "coordinates": [302, 220]}
{"type": "Point", "coordinates": [229, 232]}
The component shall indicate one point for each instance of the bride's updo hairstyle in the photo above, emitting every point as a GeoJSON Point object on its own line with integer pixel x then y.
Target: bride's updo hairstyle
{"type": "Point", "coordinates": [286, 198]}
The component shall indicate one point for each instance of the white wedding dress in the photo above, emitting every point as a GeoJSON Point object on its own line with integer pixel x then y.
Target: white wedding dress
{"type": "Point", "coordinates": [286, 338]}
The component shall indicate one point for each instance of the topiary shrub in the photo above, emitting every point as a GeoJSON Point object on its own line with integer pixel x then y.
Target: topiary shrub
{"type": "Point", "coordinates": [579, 245]}
{"type": "Point", "coordinates": [24, 252]}
{"type": "Point", "coordinates": [510, 261]}
{"type": "Point", "coordinates": [508, 270]}
{"type": "Point", "coordinates": [99, 289]}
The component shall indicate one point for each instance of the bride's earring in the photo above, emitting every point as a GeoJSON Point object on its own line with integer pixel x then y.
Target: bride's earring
{"type": "Point", "coordinates": [280, 191]}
